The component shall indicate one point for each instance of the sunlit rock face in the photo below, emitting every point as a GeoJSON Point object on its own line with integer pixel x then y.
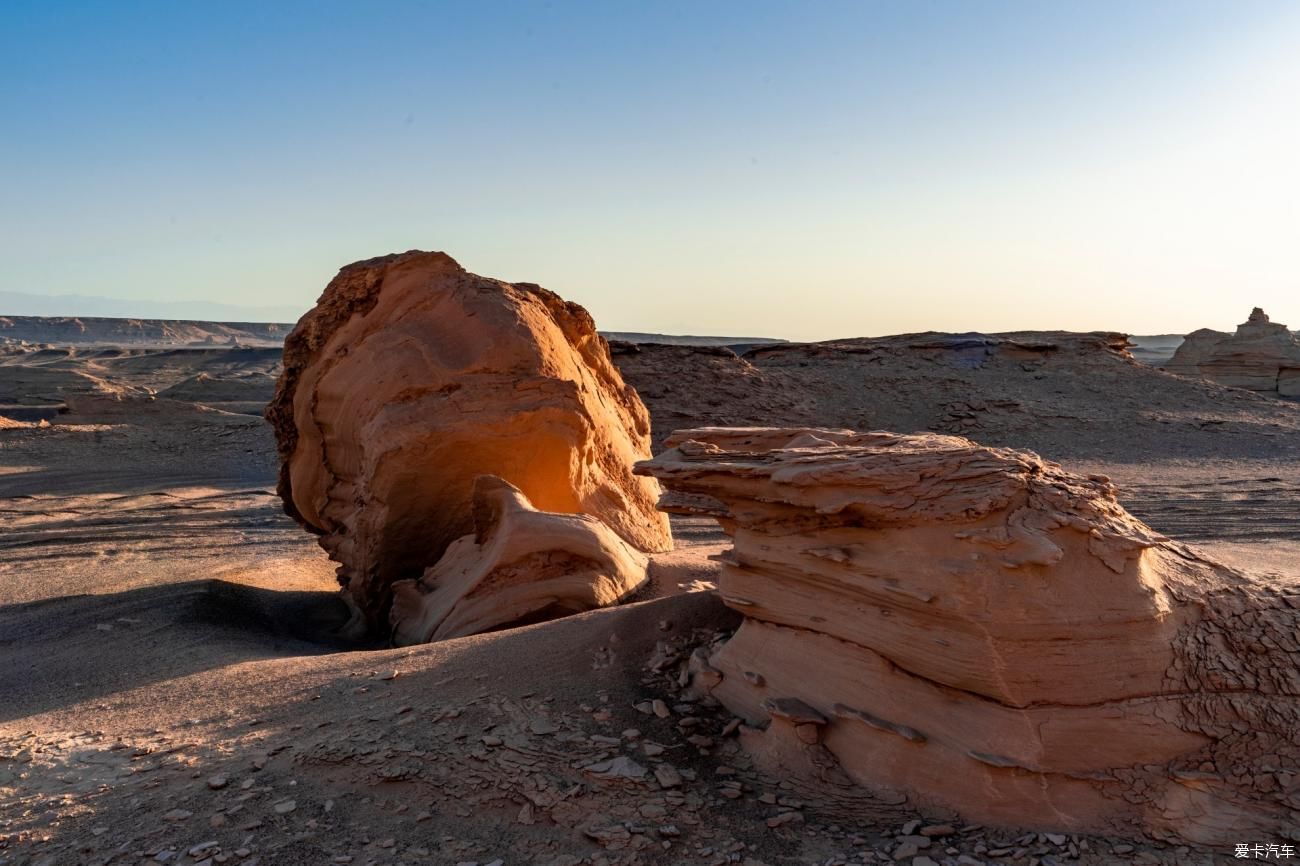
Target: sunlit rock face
{"type": "Point", "coordinates": [975, 630]}
{"type": "Point", "coordinates": [412, 377]}
{"type": "Point", "coordinates": [1261, 356]}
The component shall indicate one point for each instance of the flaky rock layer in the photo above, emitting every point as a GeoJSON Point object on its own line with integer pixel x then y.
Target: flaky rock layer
{"type": "Point", "coordinates": [520, 565]}
{"type": "Point", "coordinates": [976, 630]}
{"type": "Point", "coordinates": [410, 378]}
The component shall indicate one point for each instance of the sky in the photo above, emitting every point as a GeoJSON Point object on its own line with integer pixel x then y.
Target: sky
{"type": "Point", "coordinates": [807, 170]}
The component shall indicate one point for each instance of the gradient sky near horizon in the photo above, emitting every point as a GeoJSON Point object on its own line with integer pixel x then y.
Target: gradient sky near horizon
{"type": "Point", "coordinates": [806, 170]}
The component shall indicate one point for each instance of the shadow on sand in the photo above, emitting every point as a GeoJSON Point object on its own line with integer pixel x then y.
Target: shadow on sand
{"type": "Point", "coordinates": [57, 652]}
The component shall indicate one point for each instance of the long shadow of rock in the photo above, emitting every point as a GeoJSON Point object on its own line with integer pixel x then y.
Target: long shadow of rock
{"type": "Point", "coordinates": [67, 650]}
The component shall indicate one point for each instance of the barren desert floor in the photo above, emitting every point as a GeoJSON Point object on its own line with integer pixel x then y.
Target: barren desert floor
{"type": "Point", "coordinates": [172, 692]}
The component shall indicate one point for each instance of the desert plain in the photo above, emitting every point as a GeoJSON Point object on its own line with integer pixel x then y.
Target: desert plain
{"type": "Point", "coordinates": [183, 683]}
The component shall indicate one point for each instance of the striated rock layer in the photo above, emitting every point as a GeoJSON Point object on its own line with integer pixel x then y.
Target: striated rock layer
{"type": "Point", "coordinates": [412, 377]}
{"type": "Point", "coordinates": [975, 630]}
{"type": "Point", "coordinates": [520, 565]}
{"type": "Point", "coordinates": [1261, 356]}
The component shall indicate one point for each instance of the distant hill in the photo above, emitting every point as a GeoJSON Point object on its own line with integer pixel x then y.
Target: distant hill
{"type": "Point", "coordinates": [117, 331]}
{"type": "Point", "coordinates": [97, 331]}
{"type": "Point", "coordinates": [687, 340]}
{"type": "Point", "coordinates": [1155, 349]}
{"type": "Point", "coordinates": [78, 306]}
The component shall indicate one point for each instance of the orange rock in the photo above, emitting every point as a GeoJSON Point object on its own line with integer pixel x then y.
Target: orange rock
{"type": "Point", "coordinates": [520, 565]}
{"type": "Point", "coordinates": [410, 378]}
{"type": "Point", "coordinates": [986, 633]}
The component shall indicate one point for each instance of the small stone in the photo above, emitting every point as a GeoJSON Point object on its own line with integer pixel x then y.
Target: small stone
{"type": "Point", "coordinates": [660, 708]}
{"type": "Point", "coordinates": [652, 749]}
{"type": "Point", "coordinates": [284, 807]}
{"type": "Point", "coordinates": [1057, 839]}
{"type": "Point", "coordinates": [621, 767]}
{"type": "Point", "coordinates": [1122, 849]}
{"type": "Point", "coordinates": [668, 776]}
{"type": "Point", "coordinates": [177, 815]}
{"type": "Point", "coordinates": [938, 830]}
{"type": "Point", "coordinates": [923, 861]}
{"type": "Point", "coordinates": [202, 848]}
{"type": "Point", "coordinates": [785, 818]}
{"type": "Point", "coordinates": [216, 783]}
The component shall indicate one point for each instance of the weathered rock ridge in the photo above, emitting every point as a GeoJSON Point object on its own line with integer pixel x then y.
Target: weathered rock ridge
{"type": "Point", "coordinates": [412, 377]}
{"type": "Point", "coordinates": [976, 630]}
{"type": "Point", "coordinates": [1261, 356]}
{"type": "Point", "coordinates": [1074, 396]}
{"type": "Point", "coordinates": [520, 565]}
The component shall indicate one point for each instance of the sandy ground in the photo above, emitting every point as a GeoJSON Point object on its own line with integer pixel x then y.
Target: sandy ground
{"type": "Point", "coordinates": [171, 691]}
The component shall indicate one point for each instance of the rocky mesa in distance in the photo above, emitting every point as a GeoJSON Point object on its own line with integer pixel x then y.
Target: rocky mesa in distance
{"type": "Point", "coordinates": [103, 331]}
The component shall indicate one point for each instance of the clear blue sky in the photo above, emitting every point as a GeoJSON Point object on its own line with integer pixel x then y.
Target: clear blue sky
{"type": "Point", "coordinates": [809, 170]}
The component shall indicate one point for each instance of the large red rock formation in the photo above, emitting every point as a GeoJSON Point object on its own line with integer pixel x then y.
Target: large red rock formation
{"type": "Point", "coordinates": [977, 630]}
{"type": "Point", "coordinates": [1261, 356]}
{"type": "Point", "coordinates": [412, 377]}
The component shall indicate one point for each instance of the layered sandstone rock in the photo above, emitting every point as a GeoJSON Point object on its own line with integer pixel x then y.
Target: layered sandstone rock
{"type": "Point", "coordinates": [1261, 356]}
{"type": "Point", "coordinates": [521, 565]}
{"type": "Point", "coordinates": [412, 377]}
{"type": "Point", "coordinates": [976, 630]}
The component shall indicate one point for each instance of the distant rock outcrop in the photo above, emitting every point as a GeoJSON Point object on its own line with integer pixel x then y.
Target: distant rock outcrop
{"type": "Point", "coordinates": [1261, 356]}
{"type": "Point", "coordinates": [412, 377]}
{"type": "Point", "coordinates": [92, 330]}
{"type": "Point", "coordinates": [975, 630]}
